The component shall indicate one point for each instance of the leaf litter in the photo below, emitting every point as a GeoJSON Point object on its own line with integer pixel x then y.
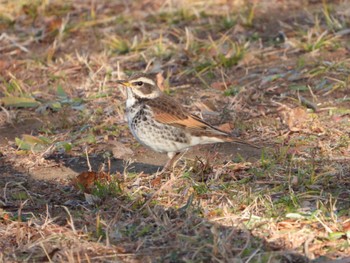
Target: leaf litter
{"type": "Point", "coordinates": [287, 203]}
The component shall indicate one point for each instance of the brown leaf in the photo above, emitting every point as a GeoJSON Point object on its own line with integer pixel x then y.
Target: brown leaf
{"type": "Point", "coordinates": [219, 85]}
{"type": "Point", "coordinates": [87, 179]}
{"type": "Point", "coordinates": [241, 166]}
{"type": "Point", "coordinates": [6, 217]}
{"type": "Point", "coordinates": [53, 24]}
{"type": "Point", "coordinates": [156, 181]}
{"type": "Point", "coordinates": [346, 226]}
{"type": "Point", "coordinates": [242, 207]}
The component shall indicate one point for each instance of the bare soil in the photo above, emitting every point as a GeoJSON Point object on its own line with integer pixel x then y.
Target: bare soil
{"type": "Point", "coordinates": [275, 73]}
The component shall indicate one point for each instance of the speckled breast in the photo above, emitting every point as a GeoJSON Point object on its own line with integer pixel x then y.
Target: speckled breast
{"type": "Point", "coordinates": [158, 136]}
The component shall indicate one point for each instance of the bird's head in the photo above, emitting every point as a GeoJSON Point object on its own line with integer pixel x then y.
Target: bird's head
{"type": "Point", "coordinates": [142, 85]}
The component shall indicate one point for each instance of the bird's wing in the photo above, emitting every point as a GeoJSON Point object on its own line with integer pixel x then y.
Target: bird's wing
{"type": "Point", "coordinates": [168, 111]}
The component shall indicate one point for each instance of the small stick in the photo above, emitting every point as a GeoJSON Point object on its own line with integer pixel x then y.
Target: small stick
{"type": "Point", "coordinates": [87, 159]}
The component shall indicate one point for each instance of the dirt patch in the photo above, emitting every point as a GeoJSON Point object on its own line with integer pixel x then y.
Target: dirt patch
{"type": "Point", "coordinates": [276, 73]}
{"type": "Point", "coordinates": [8, 132]}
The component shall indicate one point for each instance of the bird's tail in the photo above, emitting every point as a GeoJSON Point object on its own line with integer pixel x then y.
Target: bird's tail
{"type": "Point", "coordinates": [239, 141]}
{"type": "Point", "coordinates": [227, 137]}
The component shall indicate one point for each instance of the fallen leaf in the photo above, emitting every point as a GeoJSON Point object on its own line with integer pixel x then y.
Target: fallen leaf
{"type": "Point", "coordinates": [86, 180]}
{"type": "Point", "coordinates": [6, 217]}
{"type": "Point", "coordinates": [241, 166]}
{"type": "Point", "coordinates": [32, 143]}
{"type": "Point", "coordinates": [19, 102]}
{"type": "Point", "coordinates": [156, 181]}
{"type": "Point", "coordinates": [33, 139]}
{"type": "Point", "coordinates": [346, 226]}
{"type": "Point", "coordinates": [220, 85]}
{"type": "Point", "coordinates": [53, 24]}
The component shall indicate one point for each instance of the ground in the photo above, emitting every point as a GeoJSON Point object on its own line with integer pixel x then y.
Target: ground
{"type": "Point", "coordinates": [77, 187]}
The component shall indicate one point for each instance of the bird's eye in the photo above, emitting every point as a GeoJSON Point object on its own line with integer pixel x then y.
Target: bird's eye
{"type": "Point", "coordinates": [139, 83]}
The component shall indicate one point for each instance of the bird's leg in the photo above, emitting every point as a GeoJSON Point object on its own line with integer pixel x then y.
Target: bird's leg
{"type": "Point", "coordinates": [169, 164]}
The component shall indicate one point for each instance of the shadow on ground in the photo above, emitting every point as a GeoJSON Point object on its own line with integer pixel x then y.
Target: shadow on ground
{"type": "Point", "coordinates": [53, 221]}
{"type": "Point", "coordinates": [144, 160]}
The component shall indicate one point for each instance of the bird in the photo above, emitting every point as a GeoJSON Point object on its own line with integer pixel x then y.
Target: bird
{"type": "Point", "coordinates": [162, 124]}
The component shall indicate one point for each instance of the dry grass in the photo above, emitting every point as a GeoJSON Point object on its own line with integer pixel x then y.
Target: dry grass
{"type": "Point", "coordinates": [278, 74]}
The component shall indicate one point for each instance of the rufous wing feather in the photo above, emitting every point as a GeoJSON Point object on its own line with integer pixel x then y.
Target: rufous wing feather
{"type": "Point", "coordinates": [188, 122]}
{"type": "Point", "coordinates": [168, 111]}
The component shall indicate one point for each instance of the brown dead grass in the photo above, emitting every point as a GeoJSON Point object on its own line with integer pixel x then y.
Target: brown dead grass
{"type": "Point", "coordinates": [290, 205]}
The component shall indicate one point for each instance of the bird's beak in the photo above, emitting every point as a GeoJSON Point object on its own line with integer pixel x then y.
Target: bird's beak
{"type": "Point", "coordinates": [124, 83]}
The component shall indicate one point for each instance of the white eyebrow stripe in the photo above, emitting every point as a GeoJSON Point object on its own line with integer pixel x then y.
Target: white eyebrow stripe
{"type": "Point", "coordinates": [145, 80]}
